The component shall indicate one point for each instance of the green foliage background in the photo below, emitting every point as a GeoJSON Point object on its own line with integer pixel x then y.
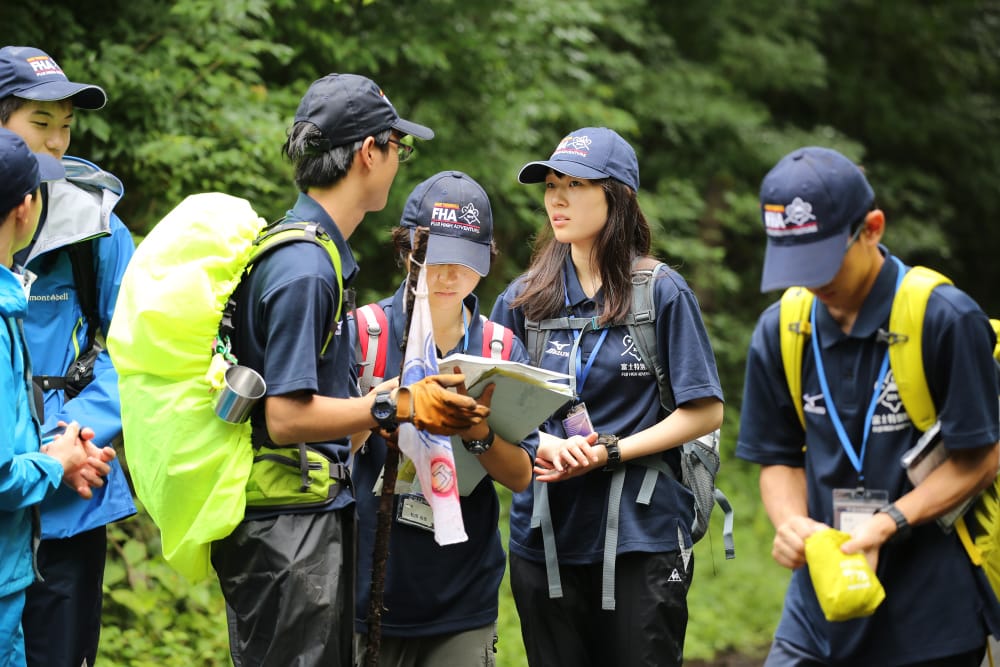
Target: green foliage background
{"type": "Point", "coordinates": [710, 93]}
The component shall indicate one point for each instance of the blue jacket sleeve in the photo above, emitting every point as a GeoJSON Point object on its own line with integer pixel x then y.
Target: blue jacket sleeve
{"type": "Point", "coordinates": [97, 406]}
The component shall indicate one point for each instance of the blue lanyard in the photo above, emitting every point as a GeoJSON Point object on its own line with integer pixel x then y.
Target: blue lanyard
{"type": "Point", "coordinates": [857, 458]}
{"type": "Point", "coordinates": [465, 332]}
{"type": "Point", "coordinates": [581, 371]}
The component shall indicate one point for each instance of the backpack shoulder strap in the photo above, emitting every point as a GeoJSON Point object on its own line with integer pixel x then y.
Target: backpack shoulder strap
{"type": "Point", "coordinates": [794, 330]}
{"type": "Point", "coordinates": [497, 340]}
{"type": "Point", "coordinates": [373, 346]}
{"type": "Point", "coordinates": [281, 232]}
{"type": "Point", "coordinates": [641, 324]}
{"type": "Point", "coordinates": [906, 324]}
{"type": "Point", "coordinates": [81, 259]}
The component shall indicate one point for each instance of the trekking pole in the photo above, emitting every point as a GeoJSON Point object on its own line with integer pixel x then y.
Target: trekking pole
{"type": "Point", "coordinates": [383, 525]}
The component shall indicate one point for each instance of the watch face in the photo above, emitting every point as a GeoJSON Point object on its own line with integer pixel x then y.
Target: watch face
{"type": "Point", "coordinates": [477, 447]}
{"type": "Point", "coordinates": [383, 409]}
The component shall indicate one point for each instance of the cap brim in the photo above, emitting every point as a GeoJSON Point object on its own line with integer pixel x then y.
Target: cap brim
{"type": "Point", "coordinates": [84, 96]}
{"type": "Point", "coordinates": [534, 172]}
{"type": "Point", "coordinates": [417, 130]}
{"type": "Point", "coordinates": [49, 168]}
{"type": "Point", "coordinates": [451, 250]}
{"type": "Point", "coordinates": [804, 264]}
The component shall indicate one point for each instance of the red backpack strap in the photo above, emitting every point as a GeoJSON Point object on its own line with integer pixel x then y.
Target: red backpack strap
{"type": "Point", "coordinates": [373, 340]}
{"type": "Point", "coordinates": [497, 340]}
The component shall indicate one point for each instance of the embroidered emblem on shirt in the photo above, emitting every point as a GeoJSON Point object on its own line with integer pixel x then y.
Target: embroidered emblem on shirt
{"type": "Point", "coordinates": [809, 404]}
{"type": "Point", "coordinates": [557, 348]}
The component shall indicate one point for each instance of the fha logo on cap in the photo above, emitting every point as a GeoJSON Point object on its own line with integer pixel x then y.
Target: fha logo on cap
{"type": "Point", "coordinates": [454, 216]}
{"type": "Point", "coordinates": [470, 214]}
{"type": "Point", "coordinates": [44, 66]}
{"type": "Point", "coordinates": [575, 145]}
{"type": "Point", "coordinates": [791, 220]}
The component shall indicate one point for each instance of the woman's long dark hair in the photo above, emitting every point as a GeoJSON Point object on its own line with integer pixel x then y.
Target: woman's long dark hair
{"type": "Point", "coordinates": [622, 240]}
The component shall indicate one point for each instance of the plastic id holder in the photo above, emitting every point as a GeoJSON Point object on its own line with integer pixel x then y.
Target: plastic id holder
{"type": "Point", "coordinates": [414, 510]}
{"type": "Point", "coordinates": [853, 507]}
{"type": "Point", "coordinates": [577, 421]}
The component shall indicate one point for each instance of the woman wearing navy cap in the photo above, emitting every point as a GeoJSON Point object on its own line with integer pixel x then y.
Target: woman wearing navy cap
{"type": "Point", "coordinates": [440, 602]}
{"type": "Point", "coordinates": [589, 591]}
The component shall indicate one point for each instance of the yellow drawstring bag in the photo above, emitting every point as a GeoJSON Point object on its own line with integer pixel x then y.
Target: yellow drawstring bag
{"type": "Point", "coordinates": [845, 585]}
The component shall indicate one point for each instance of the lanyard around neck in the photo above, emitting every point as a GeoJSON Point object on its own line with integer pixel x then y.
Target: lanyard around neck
{"type": "Point", "coordinates": [857, 459]}
{"type": "Point", "coordinates": [580, 371]}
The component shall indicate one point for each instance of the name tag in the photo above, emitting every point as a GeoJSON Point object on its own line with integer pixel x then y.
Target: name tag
{"type": "Point", "coordinates": [414, 510]}
{"type": "Point", "coordinates": [854, 507]}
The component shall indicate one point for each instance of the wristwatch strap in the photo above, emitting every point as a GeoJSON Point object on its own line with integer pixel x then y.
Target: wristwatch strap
{"type": "Point", "coordinates": [610, 443]}
{"type": "Point", "coordinates": [480, 446]}
{"type": "Point", "coordinates": [903, 528]}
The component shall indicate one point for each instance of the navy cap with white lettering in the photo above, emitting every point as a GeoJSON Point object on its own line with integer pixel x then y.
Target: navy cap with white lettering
{"type": "Point", "coordinates": [591, 153]}
{"type": "Point", "coordinates": [457, 213]}
{"type": "Point", "coordinates": [32, 74]}
{"type": "Point", "coordinates": [809, 201]}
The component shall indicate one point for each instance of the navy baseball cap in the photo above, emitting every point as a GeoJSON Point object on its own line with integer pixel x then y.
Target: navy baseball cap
{"type": "Point", "coordinates": [349, 107]}
{"type": "Point", "coordinates": [809, 202]}
{"type": "Point", "coordinates": [457, 213]}
{"type": "Point", "coordinates": [591, 153]}
{"type": "Point", "coordinates": [21, 171]}
{"type": "Point", "coordinates": [31, 74]}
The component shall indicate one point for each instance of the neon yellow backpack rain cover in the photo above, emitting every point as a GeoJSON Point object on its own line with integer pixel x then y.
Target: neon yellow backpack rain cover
{"type": "Point", "coordinates": [979, 528]}
{"type": "Point", "coordinates": [189, 467]}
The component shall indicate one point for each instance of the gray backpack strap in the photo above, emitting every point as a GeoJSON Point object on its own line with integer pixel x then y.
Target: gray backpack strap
{"type": "Point", "coordinates": [642, 328]}
{"type": "Point", "coordinates": [654, 465]}
{"type": "Point", "coordinates": [611, 539]}
{"type": "Point", "coordinates": [536, 333]}
{"type": "Point", "coordinates": [541, 517]}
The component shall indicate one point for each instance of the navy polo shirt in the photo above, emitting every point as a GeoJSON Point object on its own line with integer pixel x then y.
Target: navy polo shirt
{"type": "Point", "coordinates": [932, 608]}
{"type": "Point", "coordinates": [432, 589]}
{"type": "Point", "coordinates": [285, 314]}
{"type": "Point", "coordinates": [622, 398]}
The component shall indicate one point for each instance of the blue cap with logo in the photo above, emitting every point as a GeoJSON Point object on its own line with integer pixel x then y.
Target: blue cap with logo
{"type": "Point", "coordinates": [457, 212]}
{"type": "Point", "coordinates": [591, 153]}
{"type": "Point", "coordinates": [349, 107]}
{"type": "Point", "coordinates": [31, 74]}
{"type": "Point", "coordinates": [809, 202]}
{"type": "Point", "coordinates": [21, 171]}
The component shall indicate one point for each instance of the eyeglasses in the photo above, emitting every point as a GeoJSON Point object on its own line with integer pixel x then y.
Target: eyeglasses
{"type": "Point", "coordinates": [404, 150]}
{"type": "Point", "coordinates": [857, 232]}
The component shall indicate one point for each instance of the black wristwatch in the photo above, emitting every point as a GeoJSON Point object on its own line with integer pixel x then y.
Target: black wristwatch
{"type": "Point", "coordinates": [480, 447]}
{"type": "Point", "coordinates": [610, 443]}
{"type": "Point", "coordinates": [384, 411]}
{"type": "Point", "coordinates": [902, 525]}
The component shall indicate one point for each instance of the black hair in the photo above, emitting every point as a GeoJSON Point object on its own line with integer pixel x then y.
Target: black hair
{"type": "Point", "coordinates": [8, 105]}
{"type": "Point", "coordinates": [624, 239]}
{"type": "Point", "coordinates": [317, 164]}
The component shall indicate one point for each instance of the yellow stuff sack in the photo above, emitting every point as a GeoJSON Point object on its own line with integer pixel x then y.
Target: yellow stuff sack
{"type": "Point", "coordinates": [845, 585]}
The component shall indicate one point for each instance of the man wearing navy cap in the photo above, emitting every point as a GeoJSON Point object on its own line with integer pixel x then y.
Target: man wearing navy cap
{"type": "Point", "coordinates": [837, 462]}
{"type": "Point", "coordinates": [79, 254]}
{"type": "Point", "coordinates": [29, 473]}
{"type": "Point", "coordinates": [288, 574]}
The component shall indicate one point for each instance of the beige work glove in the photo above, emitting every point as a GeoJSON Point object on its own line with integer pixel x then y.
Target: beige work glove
{"type": "Point", "coordinates": [430, 407]}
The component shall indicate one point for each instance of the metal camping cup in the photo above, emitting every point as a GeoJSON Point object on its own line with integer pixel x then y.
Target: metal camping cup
{"type": "Point", "coordinates": [242, 389]}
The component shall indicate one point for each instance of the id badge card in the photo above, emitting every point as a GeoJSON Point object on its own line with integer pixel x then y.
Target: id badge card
{"type": "Point", "coordinates": [414, 510]}
{"type": "Point", "coordinates": [577, 421]}
{"type": "Point", "coordinates": [854, 507]}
